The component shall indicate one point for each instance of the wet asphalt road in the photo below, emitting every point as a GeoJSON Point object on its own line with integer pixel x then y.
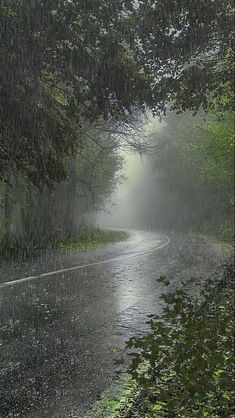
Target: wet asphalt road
{"type": "Point", "coordinates": [59, 333]}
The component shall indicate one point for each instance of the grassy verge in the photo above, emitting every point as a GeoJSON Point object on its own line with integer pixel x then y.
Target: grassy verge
{"type": "Point", "coordinates": [90, 239]}
{"type": "Point", "coordinates": [184, 366]}
{"type": "Point", "coordinates": [223, 233]}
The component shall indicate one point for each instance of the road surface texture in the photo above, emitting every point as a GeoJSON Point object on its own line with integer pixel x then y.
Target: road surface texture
{"type": "Point", "coordinates": [59, 332]}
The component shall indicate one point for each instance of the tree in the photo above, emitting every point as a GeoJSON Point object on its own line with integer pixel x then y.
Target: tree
{"type": "Point", "coordinates": [65, 61]}
{"type": "Point", "coordinates": [32, 219]}
{"type": "Point", "coordinates": [187, 46]}
{"type": "Point", "coordinates": [61, 62]}
{"type": "Point", "coordinates": [190, 175]}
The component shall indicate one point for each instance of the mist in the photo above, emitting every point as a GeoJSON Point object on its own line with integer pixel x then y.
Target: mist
{"type": "Point", "coordinates": [180, 182]}
{"type": "Point", "coordinates": [120, 211]}
{"type": "Point", "coordinates": [130, 206]}
{"type": "Point", "coordinates": [116, 208]}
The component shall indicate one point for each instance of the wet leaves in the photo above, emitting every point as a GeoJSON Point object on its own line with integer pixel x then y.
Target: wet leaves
{"type": "Point", "coordinates": [184, 366]}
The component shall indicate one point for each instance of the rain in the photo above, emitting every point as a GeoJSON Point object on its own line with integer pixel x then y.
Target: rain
{"type": "Point", "coordinates": [116, 209]}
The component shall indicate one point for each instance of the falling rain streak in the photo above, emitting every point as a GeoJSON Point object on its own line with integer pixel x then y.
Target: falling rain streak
{"type": "Point", "coordinates": [116, 208]}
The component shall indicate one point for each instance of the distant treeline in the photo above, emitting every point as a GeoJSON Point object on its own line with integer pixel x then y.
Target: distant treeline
{"type": "Point", "coordinates": [190, 175]}
{"type": "Point", "coordinates": [65, 64]}
{"type": "Point", "coordinates": [32, 219]}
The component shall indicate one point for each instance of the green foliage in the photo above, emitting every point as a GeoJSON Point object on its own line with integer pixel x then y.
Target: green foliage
{"type": "Point", "coordinates": [217, 146]}
{"type": "Point", "coordinates": [90, 238]}
{"type": "Point", "coordinates": [66, 61]}
{"type": "Point", "coordinates": [194, 165]}
{"type": "Point", "coordinates": [226, 234]}
{"type": "Point", "coordinates": [184, 366]}
{"type": "Point", "coordinates": [112, 399]}
{"type": "Point", "coordinates": [31, 220]}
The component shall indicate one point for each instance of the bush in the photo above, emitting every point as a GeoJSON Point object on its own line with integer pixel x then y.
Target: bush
{"type": "Point", "coordinates": [184, 366]}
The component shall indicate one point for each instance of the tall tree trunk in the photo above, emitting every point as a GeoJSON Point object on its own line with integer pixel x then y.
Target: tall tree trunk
{"type": "Point", "coordinates": [7, 212]}
{"type": "Point", "coordinates": [71, 198]}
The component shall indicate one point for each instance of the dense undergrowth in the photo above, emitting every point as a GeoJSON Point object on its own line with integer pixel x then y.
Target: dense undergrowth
{"type": "Point", "coordinates": [190, 176]}
{"type": "Point", "coordinates": [223, 232]}
{"type": "Point", "coordinates": [184, 366]}
{"type": "Point", "coordinates": [87, 237]}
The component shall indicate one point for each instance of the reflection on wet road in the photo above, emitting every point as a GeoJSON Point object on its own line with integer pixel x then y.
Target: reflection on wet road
{"type": "Point", "coordinates": [59, 333]}
{"type": "Point", "coordinates": [132, 248]}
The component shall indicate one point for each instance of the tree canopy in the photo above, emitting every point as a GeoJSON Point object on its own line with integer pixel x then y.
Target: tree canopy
{"type": "Point", "coordinates": [66, 61]}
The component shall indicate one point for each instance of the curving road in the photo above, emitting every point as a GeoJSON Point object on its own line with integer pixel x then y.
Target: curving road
{"type": "Point", "coordinates": [138, 244]}
{"type": "Point", "coordinates": [63, 317]}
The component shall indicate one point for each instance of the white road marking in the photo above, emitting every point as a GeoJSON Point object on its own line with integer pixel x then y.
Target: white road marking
{"type": "Point", "coordinates": [52, 273]}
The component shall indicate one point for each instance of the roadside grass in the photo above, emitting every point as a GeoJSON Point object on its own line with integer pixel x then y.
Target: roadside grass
{"type": "Point", "coordinates": [91, 238]}
{"type": "Point", "coordinates": [184, 366]}
{"type": "Point", "coordinates": [111, 400]}
{"type": "Point", "coordinates": [223, 232]}
{"type": "Point", "coordinates": [88, 237]}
